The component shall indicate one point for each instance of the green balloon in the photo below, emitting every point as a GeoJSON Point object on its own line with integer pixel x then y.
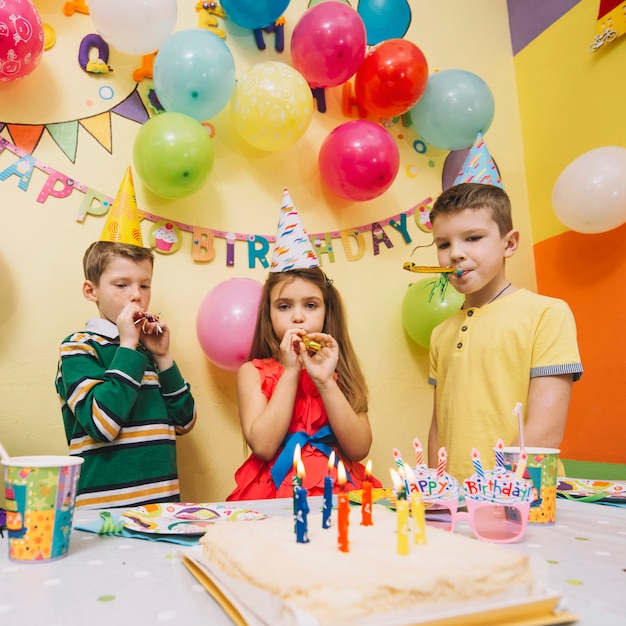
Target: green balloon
{"type": "Point", "coordinates": [173, 155]}
{"type": "Point", "coordinates": [426, 304]}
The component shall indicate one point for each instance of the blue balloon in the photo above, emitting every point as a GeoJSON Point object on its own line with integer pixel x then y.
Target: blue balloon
{"type": "Point", "coordinates": [456, 106]}
{"type": "Point", "coordinates": [384, 19]}
{"type": "Point", "coordinates": [194, 74]}
{"type": "Point", "coordinates": [254, 13]}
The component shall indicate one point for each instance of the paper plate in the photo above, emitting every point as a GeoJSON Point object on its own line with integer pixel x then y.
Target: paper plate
{"type": "Point", "coordinates": [592, 490]}
{"type": "Point", "coordinates": [182, 518]}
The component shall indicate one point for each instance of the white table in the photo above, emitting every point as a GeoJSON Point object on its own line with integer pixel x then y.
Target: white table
{"type": "Point", "coordinates": [107, 580]}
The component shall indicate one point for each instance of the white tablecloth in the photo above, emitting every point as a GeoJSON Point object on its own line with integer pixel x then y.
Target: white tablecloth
{"type": "Point", "coordinates": [107, 580]}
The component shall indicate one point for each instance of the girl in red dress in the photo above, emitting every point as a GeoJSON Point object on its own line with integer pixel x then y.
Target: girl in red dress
{"type": "Point", "coordinates": [291, 394]}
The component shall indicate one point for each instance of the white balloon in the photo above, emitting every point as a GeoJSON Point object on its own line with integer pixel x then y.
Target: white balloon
{"type": "Point", "coordinates": [589, 195]}
{"type": "Point", "coordinates": [136, 27]}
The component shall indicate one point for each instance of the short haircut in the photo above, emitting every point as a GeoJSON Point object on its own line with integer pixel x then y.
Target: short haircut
{"type": "Point", "coordinates": [100, 253]}
{"type": "Point", "coordinates": [475, 196]}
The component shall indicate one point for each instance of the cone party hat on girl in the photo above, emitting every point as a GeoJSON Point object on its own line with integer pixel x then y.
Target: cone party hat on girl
{"type": "Point", "coordinates": [292, 249]}
{"type": "Point", "coordinates": [122, 225]}
{"type": "Point", "coordinates": [479, 167]}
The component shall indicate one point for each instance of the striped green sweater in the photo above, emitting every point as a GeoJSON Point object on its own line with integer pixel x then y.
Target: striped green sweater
{"type": "Point", "coordinates": [122, 417]}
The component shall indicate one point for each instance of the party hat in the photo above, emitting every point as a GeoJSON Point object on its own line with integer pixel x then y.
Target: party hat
{"type": "Point", "coordinates": [122, 225]}
{"type": "Point", "coordinates": [479, 167]}
{"type": "Point", "coordinates": [292, 249]}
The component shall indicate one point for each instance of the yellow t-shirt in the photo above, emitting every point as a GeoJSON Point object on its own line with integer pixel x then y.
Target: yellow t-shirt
{"type": "Point", "coordinates": [482, 360]}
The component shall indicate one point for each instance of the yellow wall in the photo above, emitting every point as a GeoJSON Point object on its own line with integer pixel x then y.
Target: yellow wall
{"type": "Point", "coordinates": [42, 244]}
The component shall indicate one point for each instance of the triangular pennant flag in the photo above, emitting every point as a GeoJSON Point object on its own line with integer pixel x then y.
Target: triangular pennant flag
{"type": "Point", "coordinates": [99, 127]}
{"type": "Point", "coordinates": [479, 167]}
{"type": "Point", "coordinates": [122, 225]}
{"type": "Point", "coordinates": [292, 249]}
{"type": "Point", "coordinates": [25, 136]}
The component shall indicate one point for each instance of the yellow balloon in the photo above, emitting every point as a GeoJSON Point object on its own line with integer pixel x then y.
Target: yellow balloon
{"type": "Point", "coordinates": [272, 105]}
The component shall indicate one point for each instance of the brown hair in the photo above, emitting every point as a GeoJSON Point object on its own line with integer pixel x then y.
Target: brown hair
{"type": "Point", "coordinates": [265, 343]}
{"type": "Point", "coordinates": [475, 196]}
{"type": "Point", "coordinates": [100, 253]}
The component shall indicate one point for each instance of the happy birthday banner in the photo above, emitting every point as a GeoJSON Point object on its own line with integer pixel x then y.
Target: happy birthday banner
{"type": "Point", "coordinates": [165, 234]}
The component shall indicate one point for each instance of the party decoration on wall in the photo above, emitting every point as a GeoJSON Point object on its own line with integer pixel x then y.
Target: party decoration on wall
{"type": "Point", "coordinates": [173, 155]}
{"type": "Point", "coordinates": [208, 12]}
{"type": "Point", "coordinates": [292, 248]}
{"type": "Point", "coordinates": [135, 27]}
{"type": "Point", "coordinates": [359, 160]}
{"type": "Point", "coordinates": [456, 106]}
{"type": "Point", "coordinates": [272, 105]}
{"type": "Point", "coordinates": [392, 78]}
{"type": "Point", "coordinates": [278, 28]}
{"type": "Point", "coordinates": [165, 237]}
{"type": "Point", "coordinates": [328, 44]}
{"type": "Point", "coordinates": [610, 23]}
{"type": "Point", "coordinates": [589, 195]}
{"type": "Point", "coordinates": [254, 13]}
{"type": "Point", "coordinates": [194, 74]}
{"type": "Point", "coordinates": [385, 19]}
{"type": "Point", "coordinates": [26, 137]}
{"type": "Point", "coordinates": [353, 239]}
{"type": "Point", "coordinates": [21, 39]}
{"type": "Point", "coordinates": [478, 166]}
{"type": "Point", "coordinates": [226, 319]}
{"type": "Point", "coordinates": [122, 225]}
{"type": "Point", "coordinates": [426, 304]}
{"type": "Point", "coordinates": [89, 63]}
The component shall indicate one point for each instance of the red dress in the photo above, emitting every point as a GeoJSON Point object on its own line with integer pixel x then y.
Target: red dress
{"type": "Point", "coordinates": [309, 427]}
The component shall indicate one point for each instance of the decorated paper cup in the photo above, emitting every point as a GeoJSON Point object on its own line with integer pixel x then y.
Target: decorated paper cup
{"type": "Point", "coordinates": [541, 469]}
{"type": "Point", "coordinates": [40, 494]}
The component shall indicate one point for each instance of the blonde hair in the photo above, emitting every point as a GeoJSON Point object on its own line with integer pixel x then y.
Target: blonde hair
{"type": "Point", "coordinates": [266, 344]}
{"type": "Point", "coordinates": [475, 196]}
{"type": "Point", "coordinates": [100, 253]}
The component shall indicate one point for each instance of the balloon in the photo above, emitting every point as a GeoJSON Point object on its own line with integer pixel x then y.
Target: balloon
{"type": "Point", "coordinates": [392, 78]}
{"type": "Point", "coordinates": [21, 39]}
{"type": "Point", "coordinates": [194, 73]}
{"type": "Point", "coordinates": [226, 320]}
{"type": "Point", "coordinates": [254, 13]}
{"type": "Point", "coordinates": [425, 305]}
{"type": "Point", "coordinates": [385, 19]}
{"type": "Point", "coordinates": [589, 195]}
{"type": "Point", "coordinates": [456, 106]}
{"type": "Point", "coordinates": [272, 105]}
{"type": "Point", "coordinates": [173, 155]}
{"type": "Point", "coordinates": [328, 44]}
{"type": "Point", "coordinates": [359, 160]}
{"type": "Point", "coordinates": [135, 27]}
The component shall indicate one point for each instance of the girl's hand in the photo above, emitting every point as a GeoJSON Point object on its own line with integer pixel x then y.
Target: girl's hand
{"type": "Point", "coordinates": [321, 364]}
{"type": "Point", "coordinates": [289, 352]}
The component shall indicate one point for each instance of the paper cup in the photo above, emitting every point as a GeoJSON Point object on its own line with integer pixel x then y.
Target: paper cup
{"type": "Point", "coordinates": [40, 493]}
{"type": "Point", "coordinates": [541, 469]}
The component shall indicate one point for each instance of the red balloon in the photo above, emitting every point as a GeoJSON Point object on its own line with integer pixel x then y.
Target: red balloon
{"type": "Point", "coordinates": [21, 39]}
{"type": "Point", "coordinates": [359, 160]}
{"type": "Point", "coordinates": [392, 78]}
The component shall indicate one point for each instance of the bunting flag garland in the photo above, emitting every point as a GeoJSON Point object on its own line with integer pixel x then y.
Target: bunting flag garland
{"type": "Point", "coordinates": [26, 137]}
{"type": "Point", "coordinates": [165, 234]}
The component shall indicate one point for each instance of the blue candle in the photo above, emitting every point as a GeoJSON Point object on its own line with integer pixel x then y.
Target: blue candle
{"type": "Point", "coordinates": [328, 493]}
{"type": "Point", "coordinates": [302, 509]}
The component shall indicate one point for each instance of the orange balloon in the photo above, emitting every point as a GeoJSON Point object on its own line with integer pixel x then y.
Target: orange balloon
{"type": "Point", "coordinates": [392, 78]}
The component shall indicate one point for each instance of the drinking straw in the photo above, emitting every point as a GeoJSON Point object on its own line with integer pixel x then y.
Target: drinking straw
{"type": "Point", "coordinates": [520, 423]}
{"type": "Point", "coordinates": [3, 453]}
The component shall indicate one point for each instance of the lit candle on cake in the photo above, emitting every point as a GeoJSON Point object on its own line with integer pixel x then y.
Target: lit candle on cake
{"type": "Point", "coordinates": [478, 466]}
{"type": "Point", "coordinates": [402, 512]}
{"type": "Point", "coordinates": [442, 459]}
{"type": "Point", "coordinates": [419, 516]}
{"type": "Point", "coordinates": [366, 498]}
{"type": "Point", "coordinates": [296, 480]}
{"type": "Point", "coordinates": [500, 453]}
{"type": "Point", "coordinates": [302, 510]}
{"type": "Point", "coordinates": [343, 509]}
{"type": "Point", "coordinates": [419, 452]}
{"type": "Point", "coordinates": [328, 492]}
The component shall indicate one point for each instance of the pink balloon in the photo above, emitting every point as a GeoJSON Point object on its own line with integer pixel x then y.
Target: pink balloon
{"type": "Point", "coordinates": [359, 160]}
{"type": "Point", "coordinates": [226, 319]}
{"type": "Point", "coordinates": [21, 39]}
{"type": "Point", "coordinates": [328, 44]}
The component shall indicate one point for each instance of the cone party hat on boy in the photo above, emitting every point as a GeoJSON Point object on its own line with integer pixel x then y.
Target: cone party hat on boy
{"type": "Point", "coordinates": [122, 225]}
{"type": "Point", "coordinates": [478, 166]}
{"type": "Point", "coordinates": [292, 249]}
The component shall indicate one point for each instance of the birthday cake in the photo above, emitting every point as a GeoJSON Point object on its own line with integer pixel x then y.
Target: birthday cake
{"type": "Point", "coordinates": [372, 578]}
